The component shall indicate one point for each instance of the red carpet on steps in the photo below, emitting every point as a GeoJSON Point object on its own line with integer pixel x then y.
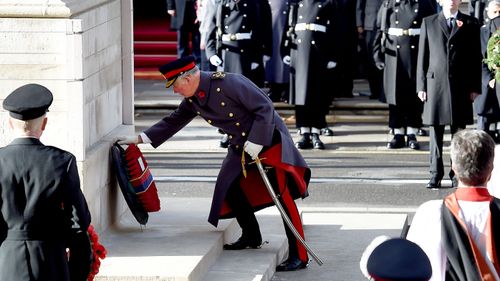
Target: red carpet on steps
{"type": "Point", "coordinates": [154, 45]}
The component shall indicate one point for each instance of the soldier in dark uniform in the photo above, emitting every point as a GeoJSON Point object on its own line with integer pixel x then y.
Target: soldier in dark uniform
{"type": "Point", "coordinates": [486, 106]}
{"type": "Point", "coordinates": [448, 78]}
{"type": "Point", "coordinates": [277, 72]}
{"type": "Point", "coordinates": [366, 22]}
{"type": "Point", "coordinates": [234, 104]}
{"type": "Point", "coordinates": [311, 48]}
{"type": "Point", "coordinates": [395, 51]}
{"type": "Point", "coordinates": [42, 208]}
{"type": "Point", "coordinates": [183, 14]}
{"type": "Point", "coordinates": [239, 36]}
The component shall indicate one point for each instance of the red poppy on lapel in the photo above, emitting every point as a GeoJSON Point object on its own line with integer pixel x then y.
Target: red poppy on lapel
{"type": "Point", "coordinates": [201, 94]}
{"type": "Point", "coordinates": [459, 23]}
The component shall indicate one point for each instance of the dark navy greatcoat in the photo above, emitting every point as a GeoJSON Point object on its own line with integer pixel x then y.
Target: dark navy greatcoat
{"type": "Point", "coordinates": [449, 69]}
{"type": "Point", "coordinates": [487, 102]}
{"type": "Point", "coordinates": [42, 210]}
{"type": "Point", "coordinates": [234, 104]}
{"type": "Point", "coordinates": [399, 53]}
{"type": "Point", "coordinates": [276, 70]}
{"type": "Point", "coordinates": [241, 17]}
{"type": "Point", "coordinates": [311, 50]}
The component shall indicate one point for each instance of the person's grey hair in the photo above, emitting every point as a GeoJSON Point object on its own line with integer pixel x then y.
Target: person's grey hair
{"type": "Point", "coordinates": [192, 71]}
{"type": "Point", "coordinates": [472, 153]}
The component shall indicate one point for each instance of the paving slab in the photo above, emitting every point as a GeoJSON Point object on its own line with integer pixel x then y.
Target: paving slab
{"type": "Point", "coordinates": [177, 244]}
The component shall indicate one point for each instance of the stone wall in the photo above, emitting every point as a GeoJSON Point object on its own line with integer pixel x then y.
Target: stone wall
{"type": "Point", "coordinates": [82, 51]}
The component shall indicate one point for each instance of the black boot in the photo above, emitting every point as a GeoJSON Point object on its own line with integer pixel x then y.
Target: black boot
{"type": "Point", "coordinates": [317, 143]}
{"type": "Point", "coordinates": [397, 142]}
{"type": "Point", "coordinates": [327, 132]}
{"type": "Point", "coordinates": [291, 264]}
{"type": "Point", "coordinates": [244, 243]}
{"type": "Point", "coordinates": [412, 142]}
{"type": "Point", "coordinates": [305, 142]}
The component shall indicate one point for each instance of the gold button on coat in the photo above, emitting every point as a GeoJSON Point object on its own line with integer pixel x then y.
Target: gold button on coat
{"type": "Point", "coordinates": [231, 114]}
{"type": "Point", "coordinates": [222, 104]}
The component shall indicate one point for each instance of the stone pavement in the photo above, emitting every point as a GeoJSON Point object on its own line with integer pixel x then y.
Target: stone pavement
{"type": "Point", "coordinates": [179, 244]}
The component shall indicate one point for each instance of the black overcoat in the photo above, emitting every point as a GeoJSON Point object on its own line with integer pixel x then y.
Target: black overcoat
{"type": "Point", "coordinates": [488, 100]}
{"type": "Point", "coordinates": [234, 104]}
{"type": "Point", "coordinates": [449, 69]}
{"type": "Point", "coordinates": [42, 209]}
{"type": "Point", "coordinates": [180, 17]}
{"type": "Point", "coordinates": [241, 17]}
{"type": "Point", "coordinates": [311, 50]}
{"type": "Point", "coordinates": [399, 53]}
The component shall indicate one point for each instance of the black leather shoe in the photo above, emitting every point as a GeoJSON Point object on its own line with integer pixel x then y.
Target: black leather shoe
{"type": "Point", "coordinates": [305, 142]}
{"type": "Point", "coordinates": [317, 143]}
{"type": "Point", "coordinates": [397, 142]}
{"type": "Point", "coordinates": [454, 182]}
{"type": "Point", "coordinates": [327, 132]}
{"type": "Point", "coordinates": [434, 183]}
{"type": "Point", "coordinates": [243, 243]}
{"type": "Point", "coordinates": [421, 132]}
{"type": "Point", "coordinates": [224, 141]}
{"type": "Point", "coordinates": [291, 264]}
{"type": "Point", "coordinates": [412, 142]}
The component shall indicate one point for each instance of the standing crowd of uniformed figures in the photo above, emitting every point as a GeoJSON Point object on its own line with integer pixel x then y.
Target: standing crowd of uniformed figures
{"type": "Point", "coordinates": [306, 52]}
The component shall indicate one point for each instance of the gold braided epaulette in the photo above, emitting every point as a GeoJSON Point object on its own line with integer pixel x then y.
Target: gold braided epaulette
{"type": "Point", "coordinates": [218, 75]}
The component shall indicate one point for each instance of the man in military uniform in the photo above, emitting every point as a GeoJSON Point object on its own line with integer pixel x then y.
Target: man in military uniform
{"type": "Point", "coordinates": [234, 104]}
{"type": "Point", "coordinates": [277, 72]}
{"type": "Point", "coordinates": [366, 22]}
{"type": "Point", "coordinates": [311, 49]}
{"type": "Point", "coordinates": [396, 51]}
{"type": "Point", "coordinates": [238, 37]}
{"type": "Point", "coordinates": [42, 208]}
{"type": "Point", "coordinates": [448, 78]}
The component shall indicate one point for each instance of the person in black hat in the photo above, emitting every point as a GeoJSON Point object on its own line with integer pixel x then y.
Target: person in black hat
{"type": "Point", "coordinates": [395, 259]}
{"type": "Point", "coordinates": [42, 208]}
{"type": "Point", "coordinates": [233, 103]}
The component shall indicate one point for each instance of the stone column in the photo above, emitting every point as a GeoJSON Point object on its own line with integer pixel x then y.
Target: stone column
{"type": "Point", "coordinates": [82, 51]}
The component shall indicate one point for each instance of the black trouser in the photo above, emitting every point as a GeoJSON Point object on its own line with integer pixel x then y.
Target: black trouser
{"type": "Point", "coordinates": [243, 212]}
{"type": "Point", "coordinates": [402, 117]}
{"type": "Point", "coordinates": [436, 149]}
{"type": "Point", "coordinates": [245, 217]}
{"type": "Point", "coordinates": [310, 116]}
{"type": "Point", "coordinates": [373, 74]}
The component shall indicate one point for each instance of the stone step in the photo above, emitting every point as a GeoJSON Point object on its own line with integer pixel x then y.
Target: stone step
{"type": "Point", "coordinates": [254, 265]}
{"type": "Point", "coordinates": [177, 243]}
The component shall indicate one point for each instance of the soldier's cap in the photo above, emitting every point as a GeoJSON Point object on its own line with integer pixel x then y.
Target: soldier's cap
{"type": "Point", "coordinates": [173, 69]}
{"type": "Point", "coordinates": [28, 102]}
{"type": "Point", "coordinates": [398, 259]}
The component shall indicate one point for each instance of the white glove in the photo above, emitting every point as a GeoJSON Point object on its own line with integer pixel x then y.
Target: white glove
{"type": "Point", "coordinates": [266, 58]}
{"type": "Point", "coordinates": [254, 65]}
{"type": "Point", "coordinates": [287, 60]}
{"type": "Point", "coordinates": [127, 139]}
{"type": "Point", "coordinates": [331, 64]}
{"type": "Point", "coordinates": [215, 60]}
{"type": "Point", "coordinates": [252, 149]}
